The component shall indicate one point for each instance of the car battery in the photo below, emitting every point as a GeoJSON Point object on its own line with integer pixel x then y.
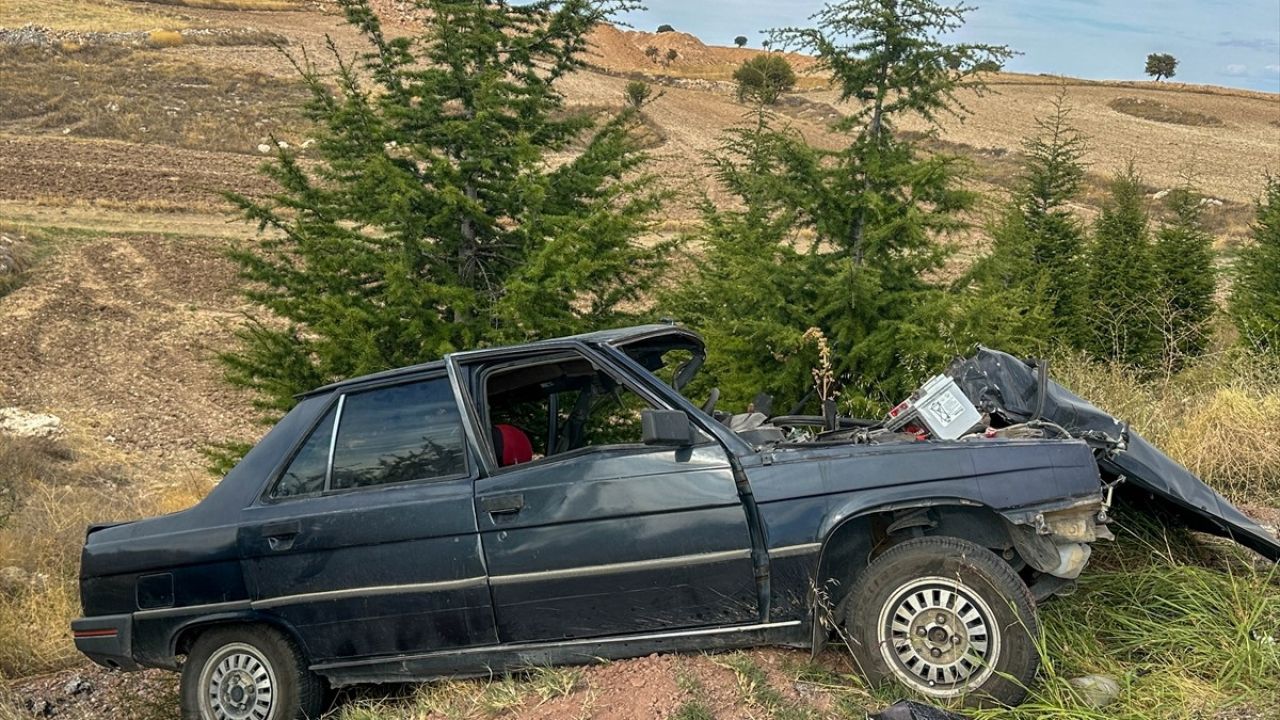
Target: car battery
{"type": "Point", "coordinates": [938, 407]}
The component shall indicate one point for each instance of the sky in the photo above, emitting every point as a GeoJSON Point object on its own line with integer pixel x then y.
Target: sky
{"type": "Point", "coordinates": [1235, 43]}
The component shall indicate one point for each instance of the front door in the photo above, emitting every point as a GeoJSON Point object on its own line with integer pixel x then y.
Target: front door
{"type": "Point", "coordinates": [586, 531]}
{"type": "Point", "coordinates": [366, 543]}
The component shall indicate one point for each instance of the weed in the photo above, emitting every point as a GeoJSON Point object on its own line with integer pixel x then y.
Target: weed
{"type": "Point", "coordinates": [758, 691]}
{"type": "Point", "coordinates": [693, 710]}
{"type": "Point", "coordinates": [549, 683]}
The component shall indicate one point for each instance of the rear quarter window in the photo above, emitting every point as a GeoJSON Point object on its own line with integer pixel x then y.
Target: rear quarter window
{"type": "Point", "coordinates": [386, 435]}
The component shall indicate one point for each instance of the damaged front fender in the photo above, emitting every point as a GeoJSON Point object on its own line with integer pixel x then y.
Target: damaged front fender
{"type": "Point", "coordinates": [1013, 391]}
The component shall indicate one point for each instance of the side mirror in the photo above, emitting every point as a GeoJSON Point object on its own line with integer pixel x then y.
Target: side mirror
{"type": "Point", "coordinates": [666, 427]}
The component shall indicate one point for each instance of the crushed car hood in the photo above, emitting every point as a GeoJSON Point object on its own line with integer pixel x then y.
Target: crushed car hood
{"type": "Point", "coordinates": [1003, 385]}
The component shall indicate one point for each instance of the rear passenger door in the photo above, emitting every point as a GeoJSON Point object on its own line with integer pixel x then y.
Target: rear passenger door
{"type": "Point", "coordinates": [366, 541]}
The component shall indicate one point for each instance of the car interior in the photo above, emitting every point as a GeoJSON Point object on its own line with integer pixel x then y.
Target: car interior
{"type": "Point", "coordinates": [555, 406]}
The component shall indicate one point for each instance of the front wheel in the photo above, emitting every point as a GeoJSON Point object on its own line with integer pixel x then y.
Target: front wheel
{"type": "Point", "coordinates": [946, 618]}
{"type": "Point", "coordinates": [248, 672]}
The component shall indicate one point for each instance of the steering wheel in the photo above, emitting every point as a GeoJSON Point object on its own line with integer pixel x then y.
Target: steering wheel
{"type": "Point", "coordinates": [709, 406]}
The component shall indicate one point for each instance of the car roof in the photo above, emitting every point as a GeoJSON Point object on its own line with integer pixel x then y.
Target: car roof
{"type": "Point", "coordinates": [614, 336]}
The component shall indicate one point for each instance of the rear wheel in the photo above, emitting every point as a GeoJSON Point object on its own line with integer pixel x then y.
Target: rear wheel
{"type": "Point", "coordinates": [946, 618]}
{"type": "Point", "coordinates": [248, 672]}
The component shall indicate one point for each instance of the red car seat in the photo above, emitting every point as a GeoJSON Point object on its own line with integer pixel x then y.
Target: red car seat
{"type": "Point", "coordinates": [511, 445]}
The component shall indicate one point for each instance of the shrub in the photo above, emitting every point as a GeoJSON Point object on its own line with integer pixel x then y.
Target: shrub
{"type": "Point", "coordinates": [764, 78]}
{"type": "Point", "coordinates": [164, 38]}
{"type": "Point", "coordinates": [638, 93]}
{"type": "Point", "coordinates": [672, 55]}
{"type": "Point", "coordinates": [651, 52]}
{"type": "Point", "coordinates": [665, 29]}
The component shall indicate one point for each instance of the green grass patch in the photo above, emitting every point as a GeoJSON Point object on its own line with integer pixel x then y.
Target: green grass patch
{"type": "Point", "coordinates": [757, 691]}
{"type": "Point", "coordinates": [1183, 640]}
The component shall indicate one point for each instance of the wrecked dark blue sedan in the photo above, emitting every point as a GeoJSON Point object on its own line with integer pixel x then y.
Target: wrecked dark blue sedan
{"type": "Point", "coordinates": [563, 502]}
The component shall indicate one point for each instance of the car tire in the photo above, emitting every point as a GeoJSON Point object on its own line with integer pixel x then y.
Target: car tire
{"type": "Point", "coordinates": [249, 672]}
{"type": "Point", "coordinates": [947, 619]}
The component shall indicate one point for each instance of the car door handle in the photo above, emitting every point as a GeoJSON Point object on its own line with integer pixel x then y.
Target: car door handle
{"type": "Point", "coordinates": [280, 535]}
{"type": "Point", "coordinates": [503, 504]}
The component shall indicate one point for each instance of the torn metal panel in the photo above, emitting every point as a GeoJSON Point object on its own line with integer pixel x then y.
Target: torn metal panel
{"type": "Point", "coordinates": [1005, 386]}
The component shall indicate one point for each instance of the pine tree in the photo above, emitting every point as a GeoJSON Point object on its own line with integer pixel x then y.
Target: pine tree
{"type": "Point", "coordinates": [434, 220]}
{"type": "Point", "coordinates": [1123, 284]}
{"type": "Point", "coordinates": [1183, 255]}
{"type": "Point", "coordinates": [1037, 258]}
{"type": "Point", "coordinates": [1255, 297]}
{"type": "Point", "coordinates": [848, 240]}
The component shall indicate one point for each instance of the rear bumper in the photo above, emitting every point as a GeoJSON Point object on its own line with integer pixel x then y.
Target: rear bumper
{"type": "Point", "coordinates": [106, 640]}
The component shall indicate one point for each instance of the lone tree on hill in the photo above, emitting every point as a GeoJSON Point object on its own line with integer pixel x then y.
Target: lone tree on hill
{"type": "Point", "coordinates": [1255, 297]}
{"type": "Point", "coordinates": [1161, 65]}
{"type": "Point", "coordinates": [665, 29]}
{"type": "Point", "coordinates": [434, 219]}
{"type": "Point", "coordinates": [764, 78]}
{"type": "Point", "coordinates": [740, 41]}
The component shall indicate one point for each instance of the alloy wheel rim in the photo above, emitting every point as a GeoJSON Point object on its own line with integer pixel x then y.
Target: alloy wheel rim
{"type": "Point", "coordinates": [238, 683]}
{"type": "Point", "coordinates": [938, 636]}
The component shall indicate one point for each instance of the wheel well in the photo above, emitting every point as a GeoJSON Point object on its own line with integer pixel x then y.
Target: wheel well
{"type": "Point", "coordinates": [853, 544]}
{"type": "Point", "coordinates": [187, 636]}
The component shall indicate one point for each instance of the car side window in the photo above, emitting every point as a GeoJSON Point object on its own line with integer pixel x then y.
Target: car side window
{"type": "Point", "coordinates": [556, 406]}
{"type": "Point", "coordinates": [386, 435]}
{"type": "Point", "coordinates": [398, 434]}
{"type": "Point", "coordinates": [306, 473]}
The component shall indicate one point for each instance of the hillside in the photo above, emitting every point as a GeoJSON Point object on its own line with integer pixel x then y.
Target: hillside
{"type": "Point", "coordinates": [121, 122]}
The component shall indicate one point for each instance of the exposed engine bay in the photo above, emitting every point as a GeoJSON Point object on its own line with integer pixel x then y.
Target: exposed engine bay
{"type": "Point", "coordinates": [996, 395]}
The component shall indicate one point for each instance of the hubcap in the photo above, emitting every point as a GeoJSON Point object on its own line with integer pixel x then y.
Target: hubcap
{"type": "Point", "coordinates": [937, 635]}
{"type": "Point", "coordinates": [239, 684]}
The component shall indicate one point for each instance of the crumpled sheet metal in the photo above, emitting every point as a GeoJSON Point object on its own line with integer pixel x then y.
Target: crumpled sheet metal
{"type": "Point", "coordinates": [911, 710]}
{"type": "Point", "coordinates": [999, 383]}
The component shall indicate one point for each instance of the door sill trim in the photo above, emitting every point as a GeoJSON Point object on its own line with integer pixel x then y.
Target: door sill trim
{"type": "Point", "coordinates": [517, 647]}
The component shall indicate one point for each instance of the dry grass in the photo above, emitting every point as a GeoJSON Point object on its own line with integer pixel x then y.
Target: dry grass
{"type": "Point", "coordinates": [1160, 112]}
{"type": "Point", "coordinates": [1220, 418]}
{"type": "Point", "coordinates": [58, 494]}
{"type": "Point", "coordinates": [255, 5]}
{"type": "Point", "coordinates": [88, 15]}
{"type": "Point", "coordinates": [164, 38]}
{"type": "Point", "coordinates": [144, 97]}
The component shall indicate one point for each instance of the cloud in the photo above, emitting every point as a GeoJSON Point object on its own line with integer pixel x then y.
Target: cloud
{"type": "Point", "coordinates": [1273, 69]}
{"type": "Point", "coordinates": [1236, 70]}
{"type": "Point", "coordinates": [1260, 44]}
